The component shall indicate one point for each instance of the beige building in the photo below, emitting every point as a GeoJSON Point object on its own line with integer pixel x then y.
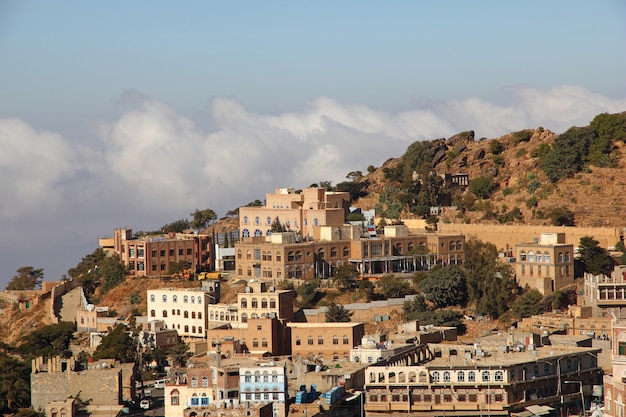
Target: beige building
{"type": "Point", "coordinates": [464, 380]}
{"type": "Point", "coordinates": [151, 255]}
{"type": "Point", "coordinates": [260, 300]}
{"type": "Point", "coordinates": [325, 341]}
{"type": "Point", "coordinates": [259, 337]}
{"type": "Point", "coordinates": [614, 387]}
{"type": "Point", "coordinates": [299, 211]}
{"type": "Point", "coordinates": [282, 256]}
{"type": "Point", "coordinates": [547, 264]}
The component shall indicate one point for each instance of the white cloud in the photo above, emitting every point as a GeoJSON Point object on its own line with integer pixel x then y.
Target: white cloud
{"type": "Point", "coordinates": [154, 165]}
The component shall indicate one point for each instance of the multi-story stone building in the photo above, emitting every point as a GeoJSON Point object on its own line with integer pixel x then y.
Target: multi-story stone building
{"type": "Point", "coordinates": [299, 211]}
{"type": "Point", "coordinates": [464, 380]}
{"type": "Point", "coordinates": [261, 300]}
{"type": "Point", "coordinates": [325, 341]}
{"type": "Point", "coordinates": [261, 336]}
{"type": "Point", "coordinates": [182, 309]}
{"type": "Point", "coordinates": [282, 256]}
{"type": "Point", "coordinates": [265, 382]}
{"type": "Point", "coordinates": [614, 383]}
{"type": "Point", "coordinates": [152, 255]}
{"type": "Point", "coordinates": [546, 264]}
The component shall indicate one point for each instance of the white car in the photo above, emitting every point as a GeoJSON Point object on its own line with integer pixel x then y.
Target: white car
{"type": "Point", "coordinates": [145, 404]}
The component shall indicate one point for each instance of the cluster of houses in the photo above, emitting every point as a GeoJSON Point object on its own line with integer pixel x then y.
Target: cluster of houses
{"type": "Point", "coordinates": [254, 355]}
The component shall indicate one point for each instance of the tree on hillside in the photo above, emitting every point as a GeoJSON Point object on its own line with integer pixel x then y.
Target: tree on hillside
{"type": "Point", "coordinates": [112, 272]}
{"type": "Point", "coordinates": [14, 384]}
{"type": "Point", "coordinates": [278, 227]}
{"type": "Point", "coordinates": [179, 354]}
{"type": "Point", "coordinates": [391, 286]}
{"type": "Point", "coordinates": [528, 304]}
{"type": "Point", "coordinates": [445, 287]}
{"type": "Point", "coordinates": [490, 285]}
{"type": "Point", "coordinates": [177, 226]}
{"type": "Point", "coordinates": [118, 344]}
{"type": "Point", "coordinates": [202, 218]}
{"type": "Point", "coordinates": [27, 278]}
{"type": "Point", "coordinates": [413, 309]}
{"type": "Point", "coordinates": [337, 313]}
{"type": "Point", "coordinates": [568, 154]}
{"type": "Point", "coordinates": [481, 186]}
{"type": "Point", "coordinates": [307, 293]}
{"type": "Point", "coordinates": [48, 341]}
{"type": "Point", "coordinates": [593, 258]}
{"type": "Point", "coordinates": [345, 276]}
{"type": "Point", "coordinates": [86, 271]}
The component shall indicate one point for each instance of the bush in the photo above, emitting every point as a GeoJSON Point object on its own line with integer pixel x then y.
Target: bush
{"type": "Point", "coordinates": [481, 186]}
{"type": "Point", "coordinates": [522, 136]}
{"type": "Point", "coordinates": [495, 147]}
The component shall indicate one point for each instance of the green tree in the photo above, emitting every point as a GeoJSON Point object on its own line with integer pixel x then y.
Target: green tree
{"type": "Point", "coordinates": [112, 272]}
{"type": "Point", "coordinates": [179, 354]}
{"type": "Point", "coordinates": [118, 344]}
{"type": "Point", "coordinates": [568, 154]}
{"type": "Point", "coordinates": [27, 278]}
{"type": "Point", "coordinates": [413, 309]}
{"type": "Point", "coordinates": [202, 218]}
{"type": "Point", "coordinates": [86, 271]}
{"type": "Point", "coordinates": [593, 258]}
{"type": "Point", "coordinates": [337, 313]}
{"type": "Point", "coordinates": [278, 227]}
{"type": "Point", "coordinates": [134, 298]}
{"type": "Point", "coordinates": [366, 289]}
{"type": "Point", "coordinates": [14, 384]}
{"type": "Point", "coordinates": [392, 286]}
{"type": "Point", "coordinates": [345, 276]}
{"type": "Point", "coordinates": [48, 341]}
{"type": "Point", "coordinates": [560, 216]}
{"type": "Point", "coordinates": [445, 287]}
{"type": "Point", "coordinates": [308, 293]}
{"type": "Point", "coordinates": [528, 304]}
{"type": "Point", "coordinates": [177, 226]}
{"type": "Point", "coordinates": [481, 186]}
{"type": "Point", "coordinates": [495, 147]}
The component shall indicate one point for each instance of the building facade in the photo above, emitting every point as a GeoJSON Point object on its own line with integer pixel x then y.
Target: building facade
{"type": "Point", "coordinates": [325, 341]}
{"type": "Point", "coordinates": [299, 211]}
{"type": "Point", "coordinates": [467, 381]}
{"type": "Point", "coordinates": [181, 309]}
{"type": "Point", "coordinates": [546, 264]}
{"type": "Point", "coordinates": [152, 255]}
{"type": "Point", "coordinates": [264, 383]}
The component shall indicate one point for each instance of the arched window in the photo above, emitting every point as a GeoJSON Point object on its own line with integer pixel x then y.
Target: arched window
{"type": "Point", "coordinates": [263, 302]}
{"type": "Point", "coordinates": [522, 256]}
{"type": "Point", "coordinates": [245, 219]}
{"type": "Point", "coordinates": [244, 303]}
{"type": "Point", "coordinates": [546, 256]}
{"type": "Point", "coordinates": [257, 220]}
{"type": "Point", "coordinates": [164, 298]}
{"type": "Point", "coordinates": [193, 314]}
{"type": "Point", "coordinates": [531, 256]}
{"type": "Point", "coordinates": [239, 254]}
{"type": "Point", "coordinates": [193, 299]}
{"type": "Point", "coordinates": [175, 298]}
{"type": "Point", "coordinates": [435, 376]}
{"type": "Point", "coordinates": [298, 341]}
{"type": "Point", "coordinates": [164, 313]}
{"type": "Point", "coordinates": [315, 222]}
{"type": "Point", "coordinates": [346, 340]}
{"type": "Point", "coordinates": [460, 376]}
{"type": "Point", "coordinates": [486, 377]}
{"type": "Point", "coordinates": [269, 220]}
{"type": "Point", "coordinates": [560, 257]}
{"type": "Point", "coordinates": [244, 318]}
{"type": "Point", "coordinates": [335, 340]}
{"type": "Point", "coordinates": [186, 329]}
{"type": "Point", "coordinates": [245, 233]}
{"type": "Point", "coordinates": [255, 342]}
{"type": "Point", "coordinates": [200, 329]}
{"type": "Point", "coordinates": [264, 342]}
{"type": "Point", "coordinates": [193, 329]}
{"type": "Point", "coordinates": [446, 376]}
{"type": "Point", "coordinates": [567, 257]}
{"type": "Point", "coordinates": [152, 313]}
{"type": "Point", "coordinates": [272, 303]}
{"type": "Point", "coordinates": [63, 412]}
{"type": "Point", "coordinates": [255, 303]}
{"type": "Point", "coordinates": [333, 252]}
{"type": "Point", "coordinates": [320, 340]}
{"type": "Point", "coordinates": [152, 297]}
{"type": "Point", "coordinates": [205, 381]}
{"type": "Point", "coordinates": [185, 299]}
{"type": "Point", "coordinates": [346, 251]}
{"type": "Point", "coordinates": [174, 397]}
{"type": "Point", "coordinates": [194, 382]}
{"type": "Point", "coordinates": [499, 376]}
{"type": "Point", "coordinates": [459, 245]}
{"type": "Point", "coordinates": [186, 314]}
{"type": "Point", "coordinates": [471, 376]}
{"type": "Point", "coordinates": [310, 340]}
{"type": "Point", "coordinates": [173, 312]}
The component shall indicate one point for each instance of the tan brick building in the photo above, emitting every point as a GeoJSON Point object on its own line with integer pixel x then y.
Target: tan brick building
{"type": "Point", "coordinates": [546, 264]}
{"type": "Point", "coordinates": [299, 211]}
{"type": "Point", "coordinates": [325, 341]}
{"type": "Point", "coordinates": [259, 337]}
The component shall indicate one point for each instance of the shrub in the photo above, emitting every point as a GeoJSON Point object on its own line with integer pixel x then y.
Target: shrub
{"type": "Point", "coordinates": [481, 186]}
{"type": "Point", "coordinates": [522, 136]}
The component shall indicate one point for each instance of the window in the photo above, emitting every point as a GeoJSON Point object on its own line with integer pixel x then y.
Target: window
{"type": "Point", "coordinates": [164, 313]}
{"type": "Point", "coordinates": [173, 312]}
{"type": "Point", "coordinates": [436, 376]}
{"type": "Point", "coordinates": [194, 382]}
{"type": "Point", "coordinates": [152, 298]}
{"type": "Point", "coordinates": [446, 376]}
{"type": "Point", "coordinates": [180, 252]}
{"type": "Point", "coordinates": [264, 342]}
{"type": "Point", "coordinates": [244, 303]}
{"type": "Point", "coordinates": [255, 342]}
{"type": "Point", "coordinates": [174, 397]}
{"type": "Point", "coordinates": [460, 376]}
{"type": "Point", "coordinates": [310, 340]}
{"type": "Point", "coordinates": [471, 376]}
{"type": "Point", "coordinates": [335, 340]}
{"type": "Point", "coordinates": [152, 313]}
{"type": "Point", "coordinates": [185, 299]}
{"type": "Point", "coordinates": [174, 298]}
{"type": "Point", "coordinates": [486, 377]}
{"type": "Point", "coordinates": [186, 329]}
{"type": "Point", "coordinates": [263, 303]}
{"type": "Point", "coordinates": [189, 251]}
{"type": "Point", "coordinates": [245, 219]}
{"type": "Point", "coordinates": [298, 341]}
{"type": "Point", "coordinates": [320, 340]}
{"type": "Point", "coordinates": [255, 303]}
{"type": "Point", "coordinates": [499, 376]}
{"type": "Point", "coordinates": [345, 340]}
{"type": "Point", "coordinates": [248, 377]}
{"type": "Point", "coordinates": [531, 256]}
{"type": "Point", "coordinates": [171, 252]}
{"type": "Point", "coordinates": [274, 376]}
{"type": "Point", "coordinates": [522, 256]}
{"type": "Point", "coordinates": [244, 318]}
{"type": "Point", "coordinates": [164, 298]}
{"type": "Point", "coordinates": [162, 252]}
{"type": "Point", "coordinates": [193, 314]}
{"type": "Point", "coordinates": [193, 299]}
{"type": "Point", "coordinates": [186, 314]}
{"type": "Point", "coordinates": [257, 220]}
{"type": "Point", "coordinates": [204, 400]}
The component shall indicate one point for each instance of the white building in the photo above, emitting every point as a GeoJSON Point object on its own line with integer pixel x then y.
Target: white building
{"type": "Point", "coordinates": [182, 309]}
{"type": "Point", "coordinates": [264, 383]}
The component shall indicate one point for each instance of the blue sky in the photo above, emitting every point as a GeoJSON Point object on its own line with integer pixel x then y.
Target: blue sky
{"type": "Point", "coordinates": [136, 113]}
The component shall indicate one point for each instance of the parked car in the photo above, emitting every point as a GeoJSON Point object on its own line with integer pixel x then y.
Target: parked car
{"type": "Point", "coordinates": [145, 404]}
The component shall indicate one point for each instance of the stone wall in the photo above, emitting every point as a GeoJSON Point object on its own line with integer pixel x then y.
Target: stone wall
{"type": "Point", "coordinates": [503, 235]}
{"type": "Point", "coordinates": [363, 312]}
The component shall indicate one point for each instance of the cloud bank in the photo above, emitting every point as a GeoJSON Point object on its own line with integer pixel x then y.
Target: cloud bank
{"type": "Point", "coordinates": [153, 165]}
